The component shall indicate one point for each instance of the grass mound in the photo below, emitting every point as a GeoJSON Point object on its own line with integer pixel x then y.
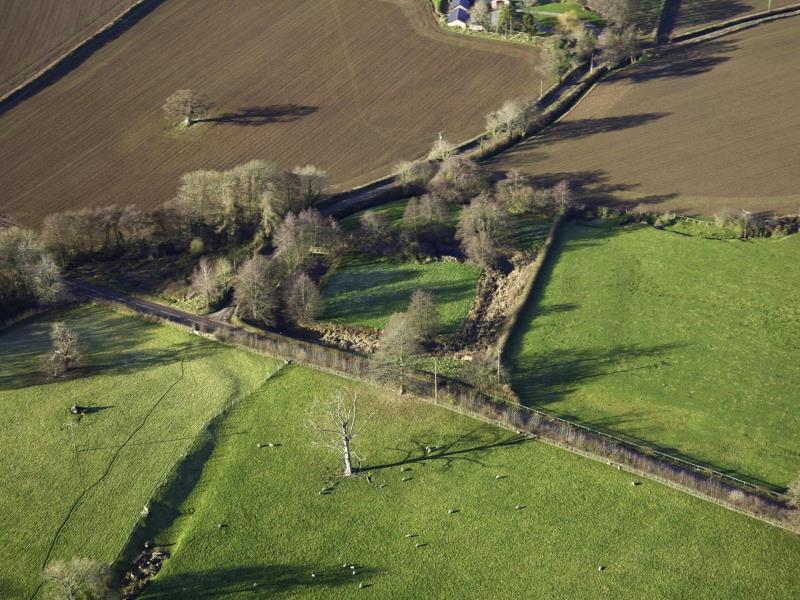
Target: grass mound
{"type": "Point", "coordinates": [690, 344]}
{"type": "Point", "coordinates": [574, 515]}
{"type": "Point", "coordinates": [150, 387]}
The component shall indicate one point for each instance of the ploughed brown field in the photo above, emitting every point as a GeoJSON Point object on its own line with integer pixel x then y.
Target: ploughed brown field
{"type": "Point", "coordinates": [698, 13]}
{"type": "Point", "coordinates": [34, 33]}
{"type": "Point", "coordinates": [695, 130]}
{"type": "Point", "coordinates": [350, 86]}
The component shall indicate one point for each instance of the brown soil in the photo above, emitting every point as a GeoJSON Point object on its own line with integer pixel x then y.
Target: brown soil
{"type": "Point", "coordinates": [350, 86]}
{"type": "Point", "coordinates": [698, 13]}
{"type": "Point", "coordinates": [695, 130]}
{"type": "Point", "coordinates": [34, 33]}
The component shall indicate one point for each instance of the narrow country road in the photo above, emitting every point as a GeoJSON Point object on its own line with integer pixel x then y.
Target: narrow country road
{"type": "Point", "coordinates": [149, 308]}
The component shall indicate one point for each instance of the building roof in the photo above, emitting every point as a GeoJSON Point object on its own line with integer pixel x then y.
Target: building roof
{"type": "Point", "coordinates": [458, 14]}
{"type": "Point", "coordinates": [460, 4]}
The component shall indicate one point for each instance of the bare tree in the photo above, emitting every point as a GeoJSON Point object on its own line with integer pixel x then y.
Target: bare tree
{"type": "Point", "coordinates": [78, 579]}
{"type": "Point", "coordinates": [301, 236]}
{"type": "Point", "coordinates": [64, 350]}
{"type": "Point", "coordinates": [480, 14]}
{"type": "Point", "coordinates": [312, 183]}
{"type": "Point", "coordinates": [189, 105]}
{"type": "Point", "coordinates": [484, 229]}
{"type": "Point", "coordinates": [375, 235]}
{"type": "Point", "coordinates": [401, 339]}
{"type": "Point", "coordinates": [302, 299]}
{"type": "Point", "coordinates": [515, 193]}
{"type": "Point", "coordinates": [211, 279]}
{"type": "Point", "coordinates": [616, 12]}
{"type": "Point", "coordinates": [335, 423]}
{"type": "Point", "coordinates": [441, 149]}
{"type": "Point", "coordinates": [562, 196]}
{"type": "Point", "coordinates": [28, 273]}
{"type": "Point", "coordinates": [415, 173]}
{"type": "Point", "coordinates": [618, 44]}
{"type": "Point", "coordinates": [513, 118]}
{"type": "Point", "coordinates": [424, 219]}
{"type": "Point", "coordinates": [255, 290]}
{"type": "Point", "coordinates": [423, 315]}
{"type": "Point", "coordinates": [459, 177]}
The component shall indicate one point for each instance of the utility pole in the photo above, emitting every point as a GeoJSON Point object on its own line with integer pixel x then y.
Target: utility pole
{"type": "Point", "coordinates": [746, 214]}
{"type": "Point", "coordinates": [498, 365]}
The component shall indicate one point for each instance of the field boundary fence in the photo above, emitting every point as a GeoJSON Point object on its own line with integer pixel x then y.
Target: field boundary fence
{"type": "Point", "coordinates": [505, 407]}
{"type": "Point", "coordinates": [513, 318]}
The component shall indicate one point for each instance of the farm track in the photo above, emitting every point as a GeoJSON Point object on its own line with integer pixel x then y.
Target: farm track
{"type": "Point", "coordinates": [348, 87]}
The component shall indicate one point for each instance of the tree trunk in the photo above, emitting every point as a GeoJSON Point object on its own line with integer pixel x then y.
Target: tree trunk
{"type": "Point", "coordinates": [348, 467]}
{"type": "Point", "coordinates": [187, 121]}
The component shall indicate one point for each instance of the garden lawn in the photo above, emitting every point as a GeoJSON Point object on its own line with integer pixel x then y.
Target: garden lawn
{"type": "Point", "coordinates": [544, 13]}
{"type": "Point", "coordinates": [367, 293]}
{"type": "Point", "coordinates": [689, 344]}
{"type": "Point", "coordinates": [575, 515]}
{"type": "Point", "coordinates": [152, 387]}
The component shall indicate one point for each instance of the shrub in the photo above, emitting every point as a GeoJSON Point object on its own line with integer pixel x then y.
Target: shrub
{"type": "Point", "coordinates": [196, 246]}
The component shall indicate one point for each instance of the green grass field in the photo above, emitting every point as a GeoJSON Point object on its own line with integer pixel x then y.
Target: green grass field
{"type": "Point", "coordinates": [543, 18]}
{"type": "Point", "coordinates": [687, 343]}
{"type": "Point", "coordinates": [152, 388]}
{"type": "Point", "coordinates": [654, 542]}
{"type": "Point", "coordinates": [367, 293]}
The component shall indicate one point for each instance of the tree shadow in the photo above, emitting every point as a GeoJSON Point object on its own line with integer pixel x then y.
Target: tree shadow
{"type": "Point", "coordinates": [255, 581]}
{"type": "Point", "coordinates": [468, 447]}
{"type": "Point", "coordinates": [684, 62]}
{"type": "Point", "coordinates": [694, 13]}
{"type": "Point", "coordinates": [24, 370]}
{"type": "Point", "coordinates": [263, 115]}
{"type": "Point", "coordinates": [573, 129]}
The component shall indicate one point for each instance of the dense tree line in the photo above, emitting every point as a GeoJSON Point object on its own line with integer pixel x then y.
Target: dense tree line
{"type": "Point", "coordinates": [29, 274]}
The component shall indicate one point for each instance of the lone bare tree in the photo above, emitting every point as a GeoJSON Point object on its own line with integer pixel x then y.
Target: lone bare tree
{"type": "Point", "coordinates": [335, 423]}
{"type": "Point", "coordinates": [64, 351]}
{"type": "Point", "coordinates": [78, 579]}
{"type": "Point", "coordinates": [189, 105]}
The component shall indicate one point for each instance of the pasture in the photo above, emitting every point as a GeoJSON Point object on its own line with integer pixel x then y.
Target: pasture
{"type": "Point", "coordinates": [35, 33]}
{"type": "Point", "coordinates": [695, 130]}
{"type": "Point", "coordinates": [575, 515]}
{"type": "Point", "coordinates": [366, 293]}
{"type": "Point", "coordinates": [690, 345]}
{"type": "Point", "coordinates": [351, 87]}
{"type": "Point", "coordinates": [78, 485]}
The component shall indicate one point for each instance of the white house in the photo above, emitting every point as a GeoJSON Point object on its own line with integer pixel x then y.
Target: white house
{"type": "Point", "coordinates": [458, 17]}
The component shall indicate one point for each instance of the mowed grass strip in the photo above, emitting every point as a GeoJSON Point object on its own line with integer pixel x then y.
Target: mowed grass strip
{"type": "Point", "coordinates": [366, 293]}
{"type": "Point", "coordinates": [147, 381]}
{"type": "Point", "coordinates": [689, 344]}
{"type": "Point", "coordinates": [574, 516]}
